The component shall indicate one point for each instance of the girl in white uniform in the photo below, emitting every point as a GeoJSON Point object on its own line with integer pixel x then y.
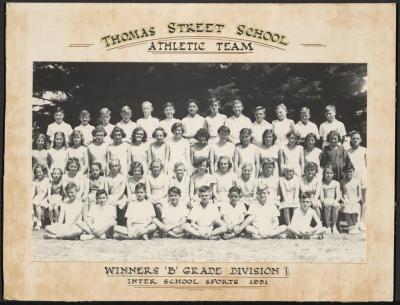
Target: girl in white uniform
{"type": "Point", "coordinates": [119, 150]}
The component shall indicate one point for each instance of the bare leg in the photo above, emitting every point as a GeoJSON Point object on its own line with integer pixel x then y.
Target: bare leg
{"type": "Point", "coordinates": [253, 231]}
{"type": "Point", "coordinates": [38, 214]}
{"type": "Point", "coordinates": [56, 213]}
{"type": "Point", "coordinates": [52, 229]}
{"type": "Point", "coordinates": [72, 232]}
{"type": "Point", "coordinates": [327, 211]}
{"type": "Point", "coordinates": [188, 228]}
{"type": "Point", "coordinates": [151, 228]}
{"type": "Point", "coordinates": [121, 230]}
{"type": "Point", "coordinates": [335, 215]}
{"type": "Point", "coordinates": [277, 231]}
{"type": "Point", "coordinates": [318, 211]}
{"type": "Point", "coordinates": [219, 231]}
{"type": "Point", "coordinates": [294, 231]}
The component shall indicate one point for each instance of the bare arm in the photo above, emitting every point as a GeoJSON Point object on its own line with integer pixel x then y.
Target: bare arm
{"type": "Point", "coordinates": [236, 159]}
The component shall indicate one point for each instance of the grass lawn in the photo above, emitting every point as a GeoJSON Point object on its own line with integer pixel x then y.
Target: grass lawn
{"type": "Point", "coordinates": [343, 248]}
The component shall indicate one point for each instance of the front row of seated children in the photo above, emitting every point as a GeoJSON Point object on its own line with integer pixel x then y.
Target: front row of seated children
{"type": "Point", "coordinates": [204, 220]}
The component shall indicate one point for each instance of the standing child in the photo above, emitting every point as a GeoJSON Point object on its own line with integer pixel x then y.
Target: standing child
{"type": "Point", "coordinates": [104, 120]}
{"type": "Point", "coordinates": [85, 127]}
{"type": "Point", "coordinates": [334, 153]}
{"type": "Point", "coordinates": [148, 123]}
{"type": "Point", "coordinates": [169, 121]}
{"type": "Point", "coordinates": [357, 155]}
{"type": "Point", "coordinates": [116, 185]}
{"type": "Point", "coordinates": [201, 149]}
{"type": "Point", "coordinates": [58, 125]}
{"type": "Point", "coordinates": [246, 153]}
{"type": "Point", "coordinates": [139, 149]}
{"type": "Point", "coordinates": [98, 148]}
{"type": "Point", "coordinates": [293, 154]}
{"type": "Point", "coordinates": [290, 188]}
{"type": "Point", "coordinates": [126, 123]}
{"type": "Point", "coordinates": [312, 153]}
{"type": "Point", "coordinates": [55, 194]}
{"type": "Point", "coordinates": [215, 120]}
{"type": "Point", "coordinates": [193, 121]}
{"type": "Point", "coordinates": [40, 193]}
{"type": "Point", "coordinates": [237, 121]}
{"type": "Point", "coordinates": [40, 153]}
{"type": "Point", "coordinates": [97, 182]}
{"type": "Point", "coordinates": [223, 147]}
{"type": "Point", "coordinates": [181, 180]}
{"type": "Point", "coordinates": [225, 180]}
{"type": "Point", "coordinates": [100, 220]}
{"type": "Point", "coordinates": [302, 218]}
{"type": "Point", "coordinates": [268, 150]}
{"type": "Point", "coordinates": [179, 148]}
{"type": "Point", "coordinates": [263, 219]}
{"type": "Point", "coordinates": [259, 125]}
{"type": "Point", "coordinates": [135, 177]}
{"type": "Point", "coordinates": [77, 150]}
{"type": "Point", "coordinates": [174, 214]}
{"type": "Point", "coordinates": [234, 214]}
{"type": "Point", "coordinates": [311, 183]}
{"type": "Point", "coordinates": [119, 150]}
{"type": "Point", "coordinates": [331, 124]}
{"type": "Point", "coordinates": [140, 215]}
{"type": "Point", "coordinates": [159, 149]}
{"type": "Point", "coordinates": [58, 153]}
{"type": "Point", "coordinates": [268, 178]}
{"type": "Point", "coordinates": [305, 126]}
{"type": "Point", "coordinates": [330, 196]}
{"type": "Point", "coordinates": [282, 125]}
{"type": "Point", "coordinates": [200, 178]}
{"type": "Point", "coordinates": [351, 197]}
{"type": "Point", "coordinates": [70, 216]}
{"type": "Point", "coordinates": [205, 219]}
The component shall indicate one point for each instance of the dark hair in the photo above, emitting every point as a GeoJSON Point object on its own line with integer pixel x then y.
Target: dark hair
{"type": "Point", "coordinates": [70, 186]}
{"type": "Point", "coordinates": [292, 132]}
{"type": "Point", "coordinates": [332, 166]}
{"type": "Point", "coordinates": [202, 132]}
{"type": "Point", "coordinates": [174, 190]}
{"type": "Point", "coordinates": [310, 165]}
{"type": "Point", "coordinates": [268, 132]}
{"type": "Point", "coordinates": [135, 165]}
{"type": "Point", "coordinates": [98, 164]}
{"type": "Point", "coordinates": [348, 166]}
{"type": "Point", "coordinates": [101, 192]}
{"type": "Point", "coordinates": [332, 133]}
{"type": "Point", "coordinates": [133, 137]}
{"type": "Point", "coordinates": [46, 140]}
{"type": "Point", "coordinates": [224, 128]}
{"type": "Point", "coordinates": [159, 129]}
{"type": "Point", "coordinates": [116, 129]}
{"type": "Point", "coordinates": [73, 160]}
{"type": "Point", "coordinates": [63, 137]}
{"type": "Point", "coordinates": [200, 160]}
{"type": "Point", "coordinates": [176, 125]}
{"type": "Point", "coordinates": [43, 168]}
{"type": "Point", "coordinates": [305, 195]}
{"type": "Point", "coordinates": [169, 105]}
{"type": "Point", "coordinates": [140, 186]}
{"type": "Point", "coordinates": [244, 132]}
{"type": "Point", "coordinates": [84, 112]}
{"type": "Point", "coordinates": [267, 161]}
{"type": "Point", "coordinates": [235, 189]}
{"type": "Point", "coordinates": [192, 100]}
{"type": "Point", "coordinates": [310, 135]}
{"type": "Point", "coordinates": [204, 188]}
{"type": "Point", "coordinates": [99, 129]}
{"type": "Point", "coordinates": [58, 109]}
{"type": "Point", "coordinates": [71, 137]}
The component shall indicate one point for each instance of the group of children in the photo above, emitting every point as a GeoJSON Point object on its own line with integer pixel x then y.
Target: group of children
{"type": "Point", "coordinates": [207, 177]}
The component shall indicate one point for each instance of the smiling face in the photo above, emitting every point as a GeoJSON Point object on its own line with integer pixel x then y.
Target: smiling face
{"type": "Point", "coordinates": [102, 199]}
{"type": "Point", "coordinates": [192, 108]}
{"type": "Point", "coordinates": [179, 171]}
{"type": "Point", "coordinates": [223, 135]}
{"type": "Point", "coordinates": [269, 139]}
{"type": "Point", "coordinates": [71, 193]}
{"type": "Point", "coordinates": [169, 112]}
{"type": "Point", "coordinates": [223, 165]}
{"type": "Point", "coordinates": [174, 198]}
{"type": "Point", "coordinates": [202, 140]}
{"type": "Point", "coordinates": [39, 173]}
{"type": "Point", "coordinates": [117, 136]}
{"type": "Point", "coordinates": [245, 139]}
{"type": "Point", "coordinates": [137, 172]}
{"type": "Point", "coordinates": [234, 198]}
{"type": "Point", "coordinates": [156, 169]}
{"type": "Point", "coordinates": [259, 115]}
{"type": "Point", "coordinates": [304, 117]}
{"type": "Point", "coordinates": [289, 173]}
{"type": "Point", "coordinates": [310, 142]}
{"type": "Point", "coordinates": [202, 168]}
{"type": "Point", "coordinates": [178, 132]}
{"type": "Point", "coordinates": [333, 141]}
{"type": "Point", "coordinates": [99, 137]}
{"type": "Point", "coordinates": [204, 197]}
{"type": "Point", "coordinates": [114, 167]}
{"type": "Point", "coordinates": [246, 171]}
{"type": "Point", "coordinates": [126, 116]}
{"type": "Point", "coordinates": [72, 168]}
{"type": "Point", "coordinates": [40, 142]}
{"type": "Point", "coordinates": [58, 117]}
{"type": "Point", "coordinates": [310, 173]}
{"type": "Point", "coordinates": [139, 136]}
{"type": "Point", "coordinates": [159, 136]}
{"type": "Point", "coordinates": [292, 140]}
{"type": "Point", "coordinates": [280, 113]}
{"type": "Point", "coordinates": [268, 169]}
{"type": "Point", "coordinates": [95, 171]}
{"type": "Point", "coordinates": [85, 119]}
{"type": "Point", "coordinates": [237, 109]}
{"type": "Point", "coordinates": [305, 204]}
{"type": "Point", "coordinates": [262, 195]}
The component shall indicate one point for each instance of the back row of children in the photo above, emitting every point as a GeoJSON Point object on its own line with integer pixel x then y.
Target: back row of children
{"type": "Point", "coordinates": [208, 154]}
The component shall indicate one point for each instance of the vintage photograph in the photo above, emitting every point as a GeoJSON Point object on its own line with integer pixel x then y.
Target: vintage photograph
{"type": "Point", "coordinates": [191, 162]}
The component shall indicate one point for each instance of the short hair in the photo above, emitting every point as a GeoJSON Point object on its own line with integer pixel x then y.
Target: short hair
{"type": "Point", "coordinates": [174, 190]}
{"type": "Point", "coordinates": [98, 164]}
{"type": "Point", "coordinates": [311, 165]}
{"type": "Point", "coordinates": [204, 189]}
{"type": "Point", "coordinates": [116, 129]}
{"type": "Point", "coordinates": [332, 167]}
{"type": "Point", "coordinates": [200, 160]}
{"type": "Point", "coordinates": [247, 164]}
{"type": "Point", "coordinates": [114, 160]}
{"type": "Point", "coordinates": [136, 165]}
{"type": "Point", "coordinates": [245, 132]}
{"type": "Point", "coordinates": [192, 100]}
{"type": "Point", "coordinates": [147, 103]}
{"type": "Point", "coordinates": [140, 186]}
{"type": "Point", "coordinates": [126, 109]}
{"type": "Point", "coordinates": [224, 128]}
{"type": "Point", "coordinates": [269, 132]}
{"type": "Point", "coordinates": [98, 129]}
{"type": "Point", "coordinates": [331, 134]}
{"type": "Point", "coordinates": [226, 158]}
{"type": "Point", "coordinates": [169, 105]}
{"type": "Point", "coordinates": [62, 134]}
{"type": "Point", "coordinates": [348, 166]}
{"type": "Point", "coordinates": [72, 136]}
{"type": "Point", "coordinates": [82, 113]}
{"type": "Point", "coordinates": [45, 138]}
{"type": "Point", "coordinates": [176, 125]}
{"type": "Point", "coordinates": [236, 102]}
{"type": "Point", "coordinates": [330, 107]}
{"type": "Point", "coordinates": [305, 195]}
{"type": "Point", "coordinates": [214, 100]}
{"type": "Point", "coordinates": [305, 110]}
{"type": "Point", "coordinates": [311, 135]}
{"type": "Point", "coordinates": [71, 161]}
{"type": "Point", "coordinates": [42, 167]}
{"type": "Point", "coordinates": [133, 137]}
{"type": "Point", "coordinates": [281, 105]}
{"type": "Point", "coordinates": [259, 108]}
{"type": "Point", "coordinates": [156, 161]}
{"type": "Point", "coordinates": [290, 133]}
{"type": "Point", "coordinates": [179, 163]}
{"type": "Point", "coordinates": [56, 169]}
{"type": "Point", "coordinates": [235, 189]}
{"type": "Point", "coordinates": [287, 168]}
{"type": "Point", "coordinates": [266, 161]}
{"type": "Point", "coordinates": [101, 192]}
{"type": "Point", "coordinates": [202, 132]}
{"type": "Point", "coordinates": [159, 129]}
{"type": "Point", "coordinates": [71, 185]}
{"type": "Point", "coordinates": [353, 132]}
{"type": "Point", "coordinates": [262, 186]}
{"type": "Point", "coordinates": [105, 111]}
{"type": "Point", "coordinates": [58, 109]}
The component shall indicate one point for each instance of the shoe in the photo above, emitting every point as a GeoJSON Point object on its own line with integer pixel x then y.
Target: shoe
{"type": "Point", "coordinates": [145, 237]}
{"type": "Point", "coordinates": [328, 230]}
{"type": "Point", "coordinates": [103, 237]}
{"type": "Point", "coordinates": [86, 237]}
{"type": "Point", "coordinates": [320, 236]}
{"type": "Point", "coordinates": [354, 230]}
{"type": "Point", "coordinates": [255, 236]}
{"type": "Point", "coordinates": [335, 230]}
{"type": "Point", "coordinates": [361, 226]}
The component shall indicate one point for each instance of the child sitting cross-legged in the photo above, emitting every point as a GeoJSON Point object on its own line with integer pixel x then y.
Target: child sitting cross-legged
{"type": "Point", "coordinates": [174, 213]}
{"type": "Point", "coordinates": [100, 219]}
{"type": "Point", "coordinates": [302, 217]}
{"type": "Point", "coordinates": [205, 220]}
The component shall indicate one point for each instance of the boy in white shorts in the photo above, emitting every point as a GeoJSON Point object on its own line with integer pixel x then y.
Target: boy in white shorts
{"type": "Point", "coordinates": [264, 215]}
{"type": "Point", "coordinates": [205, 220]}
